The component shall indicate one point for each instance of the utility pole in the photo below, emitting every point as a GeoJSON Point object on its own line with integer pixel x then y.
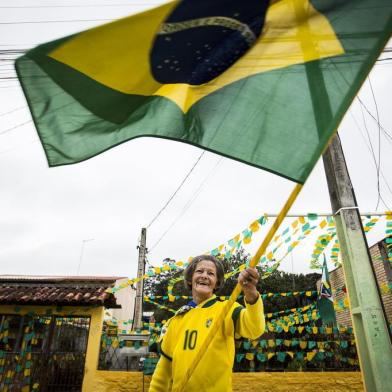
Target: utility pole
{"type": "Point", "coordinates": [138, 312]}
{"type": "Point", "coordinates": [369, 322]}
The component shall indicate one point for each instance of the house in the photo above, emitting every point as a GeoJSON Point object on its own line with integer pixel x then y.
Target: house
{"type": "Point", "coordinates": [50, 330]}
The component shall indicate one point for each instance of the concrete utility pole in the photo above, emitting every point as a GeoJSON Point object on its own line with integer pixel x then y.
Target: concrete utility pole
{"type": "Point", "coordinates": [138, 312]}
{"type": "Point", "coordinates": [370, 326]}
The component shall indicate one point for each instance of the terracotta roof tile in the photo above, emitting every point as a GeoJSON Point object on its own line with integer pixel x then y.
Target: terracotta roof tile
{"type": "Point", "coordinates": [61, 291]}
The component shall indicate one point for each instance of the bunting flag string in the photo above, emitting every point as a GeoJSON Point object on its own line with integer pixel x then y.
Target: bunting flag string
{"type": "Point", "coordinates": [177, 265]}
{"type": "Point", "coordinates": [309, 293]}
{"type": "Point", "coordinates": [160, 306]}
{"type": "Point", "coordinates": [388, 233]}
{"type": "Point", "coordinates": [116, 327]}
{"type": "Point", "coordinates": [306, 229]}
{"type": "Point", "coordinates": [324, 240]}
{"type": "Point", "coordinates": [170, 287]}
{"type": "Point", "coordinates": [116, 342]}
{"type": "Point", "coordinates": [244, 237]}
{"type": "Point", "coordinates": [275, 326]}
{"type": "Point", "coordinates": [302, 225]}
{"type": "Point", "coordinates": [331, 342]}
{"type": "Point", "coordinates": [341, 305]}
{"type": "Point", "coordinates": [371, 222]}
{"type": "Point", "coordinates": [321, 243]}
{"type": "Point", "coordinates": [248, 345]}
{"type": "Point", "coordinates": [284, 323]}
{"type": "Point", "coordinates": [310, 356]}
{"type": "Point", "coordinates": [288, 311]}
{"type": "Point", "coordinates": [335, 252]}
{"type": "Point", "coordinates": [236, 241]}
{"type": "Point", "coordinates": [234, 244]}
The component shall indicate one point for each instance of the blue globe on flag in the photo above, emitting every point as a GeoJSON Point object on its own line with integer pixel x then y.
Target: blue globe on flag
{"type": "Point", "coordinates": [203, 38]}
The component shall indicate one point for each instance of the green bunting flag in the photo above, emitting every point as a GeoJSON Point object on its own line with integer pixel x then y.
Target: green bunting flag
{"type": "Point", "coordinates": [325, 300]}
{"type": "Point", "coordinates": [265, 83]}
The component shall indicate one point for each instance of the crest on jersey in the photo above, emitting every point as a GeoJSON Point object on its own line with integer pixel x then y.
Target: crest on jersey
{"type": "Point", "coordinates": [208, 322]}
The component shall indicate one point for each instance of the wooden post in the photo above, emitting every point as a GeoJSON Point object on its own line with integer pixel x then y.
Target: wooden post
{"type": "Point", "coordinates": [138, 312]}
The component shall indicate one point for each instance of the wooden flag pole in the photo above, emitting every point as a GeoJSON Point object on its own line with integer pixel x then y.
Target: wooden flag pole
{"type": "Point", "coordinates": [237, 290]}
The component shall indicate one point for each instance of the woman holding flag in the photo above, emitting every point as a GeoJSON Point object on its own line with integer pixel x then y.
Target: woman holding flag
{"type": "Point", "coordinates": [185, 332]}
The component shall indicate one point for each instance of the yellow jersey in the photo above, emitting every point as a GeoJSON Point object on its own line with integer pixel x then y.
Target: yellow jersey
{"type": "Point", "coordinates": [186, 333]}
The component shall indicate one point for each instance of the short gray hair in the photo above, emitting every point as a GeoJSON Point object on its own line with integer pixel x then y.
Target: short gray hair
{"type": "Point", "coordinates": [190, 269]}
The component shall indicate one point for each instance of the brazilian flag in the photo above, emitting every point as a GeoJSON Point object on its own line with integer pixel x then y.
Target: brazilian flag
{"type": "Point", "coordinates": [262, 82]}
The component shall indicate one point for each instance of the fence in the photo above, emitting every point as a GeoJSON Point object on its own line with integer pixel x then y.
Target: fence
{"type": "Point", "coordinates": [45, 353]}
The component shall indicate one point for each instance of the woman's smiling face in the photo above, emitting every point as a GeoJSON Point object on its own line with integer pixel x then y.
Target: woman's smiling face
{"type": "Point", "coordinates": [204, 280]}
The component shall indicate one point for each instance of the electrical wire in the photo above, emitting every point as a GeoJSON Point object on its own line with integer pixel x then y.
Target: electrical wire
{"type": "Point", "coordinates": [373, 117]}
{"type": "Point", "coordinates": [177, 190]}
{"type": "Point", "coordinates": [14, 127]}
{"type": "Point", "coordinates": [13, 110]}
{"type": "Point", "coordinates": [79, 5]}
{"type": "Point", "coordinates": [370, 147]}
{"type": "Point", "coordinates": [8, 150]}
{"type": "Point", "coordinates": [386, 133]}
{"type": "Point", "coordinates": [187, 205]}
{"type": "Point", "coordinates": [379, 144]}
{"type": "Point", "coordinates": [55, 21]}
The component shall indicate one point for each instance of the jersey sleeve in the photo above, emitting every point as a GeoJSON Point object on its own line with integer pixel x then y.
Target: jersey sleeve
{"type": "Point", "coordinates": [161, 379]}
{"type": "Point", "coordinates": [250, 321]}
{"type": "Point", "coordinates": [167, 339]}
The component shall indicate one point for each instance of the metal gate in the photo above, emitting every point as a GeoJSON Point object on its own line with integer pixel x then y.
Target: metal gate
{"type": "Point", "coordinates": [45, 353]}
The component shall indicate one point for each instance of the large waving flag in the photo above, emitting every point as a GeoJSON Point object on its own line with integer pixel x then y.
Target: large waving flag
{"type": "Point", "coordinates": [266, 83]}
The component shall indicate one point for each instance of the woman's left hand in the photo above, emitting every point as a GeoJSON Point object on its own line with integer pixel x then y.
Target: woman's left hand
{"type": "Point", "coordinates": [248, 280]}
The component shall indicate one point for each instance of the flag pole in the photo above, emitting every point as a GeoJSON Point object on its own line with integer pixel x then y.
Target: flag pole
{"type": "Point", "coordinates": [237, 290]}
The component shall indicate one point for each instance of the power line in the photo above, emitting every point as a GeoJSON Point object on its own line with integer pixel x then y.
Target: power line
{"type": "Point", "coordinates": [13, 110]}
{"type": "Point", "coordinates": [187, 205]}
{"type": "Point", "coordinates": [78, 5]}
{"type": "Point", "coordinates": [374, 118]}
{"type": "Point", "coordinates": [14, 127]}
{"type": "Point", "coordinates": [369, 145]}
{"type": "Point", "coordinates": [6, 151]}
{"type": "Point", "coordinates": [359, 99]}
{"type": "Point", "coordinates": [363, 106]}
{"type": "Point", "coordinates": [176, 191]}
{"type": "Point", "coordinates": [55, 21]}
{"type": "Point", "coordinates": [379, 143]}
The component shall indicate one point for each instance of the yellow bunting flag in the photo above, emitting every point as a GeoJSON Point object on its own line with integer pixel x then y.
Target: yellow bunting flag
{"type": "Point", "coordinates": [310, 355]}
{"type": "Point", "coordinates": [322, 224]}
{"type": "Point", "coordinates": [250, 356]}
{"type": "Point", "coordinates": [254, 226]}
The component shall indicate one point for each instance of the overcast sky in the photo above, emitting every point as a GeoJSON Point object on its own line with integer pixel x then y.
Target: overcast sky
{"type": "Point", "coordinates": [87, 217]}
